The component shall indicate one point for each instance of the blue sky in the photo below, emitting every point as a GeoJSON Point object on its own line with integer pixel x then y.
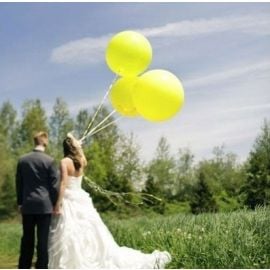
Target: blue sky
{"type": "Point", "coordinates": [221, 52]}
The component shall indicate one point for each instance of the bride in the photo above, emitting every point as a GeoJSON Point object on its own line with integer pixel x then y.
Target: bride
{"type": "Point", "coordinates": [78, 237]}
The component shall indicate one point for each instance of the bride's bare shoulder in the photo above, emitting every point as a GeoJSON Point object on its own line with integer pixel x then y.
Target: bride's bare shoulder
{"type": "Point", "coordinates": [65, 161]}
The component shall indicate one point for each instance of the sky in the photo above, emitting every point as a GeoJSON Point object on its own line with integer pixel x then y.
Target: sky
{"type": "Point", "coordinates": [220, 51]}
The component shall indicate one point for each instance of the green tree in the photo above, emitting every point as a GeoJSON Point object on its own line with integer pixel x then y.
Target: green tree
{"type": "Point", "coordinates": [203, 199]}
{"type": "Point", "coordinates": [101, 152]}
{"type": "Point", "coordinates": [81, 122]}
{"type": "Point", "coordinates": [256, 189]}
{"type": "Point", "coordinates": [150, 186]}
{"type": "Point", "coordinates": [224, 177]}
{"type": "Point", "coordinates": [33, 119]}
{"type": "Point", "coordinates": [128, 164]}
{"type": "Point", "coordinates": [7, 120]}
{"type": "Point", "coordinates": [162, 169]}
{"type": "Point", "coordinates": [8, 196]}
{"type": "Point", "coordinates": [184, 175]}
{"type": "Point", "coordinates": [7, 161]}
{"type": "Point", "coordinates": [60, 124]}
{"type": "Point", "coordinates": [153, 189]}
{"type": "Point", "coordinates": [228, 172]}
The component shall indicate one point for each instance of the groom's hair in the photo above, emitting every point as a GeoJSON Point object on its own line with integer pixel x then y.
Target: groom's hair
{"type": "Point", "coordinates": [41, 138]}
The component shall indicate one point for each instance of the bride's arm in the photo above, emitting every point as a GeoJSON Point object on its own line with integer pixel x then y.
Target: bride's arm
{"type": "Point", "coordinates": [84, 160]}
{"type": "Point", "coordinates": [79, 147]}
{"type": "Point", "coordinates": [63, 183]}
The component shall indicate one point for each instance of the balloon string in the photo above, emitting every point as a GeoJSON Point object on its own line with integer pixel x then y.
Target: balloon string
{"type": "Point", "coordinates": [107, 117]}
{"type": "Point", "coordinates": [98, 125]}
{"type": "Point", "coordinates": [99, 108]}
{"type": "Point", "coordinates": [107, 125]}
{"type": "Point", "coordinates": [96, 113]}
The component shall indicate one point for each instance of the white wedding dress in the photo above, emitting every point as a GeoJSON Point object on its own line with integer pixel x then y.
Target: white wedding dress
{"type": "Point", "coordinates": [79, 238]}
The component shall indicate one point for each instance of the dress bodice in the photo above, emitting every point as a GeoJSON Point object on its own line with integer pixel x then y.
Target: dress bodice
{"type": "Point", "coordinates": [74, 182]}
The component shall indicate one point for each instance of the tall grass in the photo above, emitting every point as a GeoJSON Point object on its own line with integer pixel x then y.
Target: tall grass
{"type": "Point", "coordinates": [224, 240]}
{"type": "Point", "coordinates": [10, 235]}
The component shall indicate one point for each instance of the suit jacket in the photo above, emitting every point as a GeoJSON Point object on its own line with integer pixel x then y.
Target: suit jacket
{"type": "Point", "coordinates": [37, 183]}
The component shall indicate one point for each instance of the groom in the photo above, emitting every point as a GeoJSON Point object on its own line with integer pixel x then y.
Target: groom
{"type": "Point", "coordinates": [37, 190]}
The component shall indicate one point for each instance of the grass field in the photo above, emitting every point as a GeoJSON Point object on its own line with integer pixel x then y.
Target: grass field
{"type": "Point", "coordinates": [225, 240]}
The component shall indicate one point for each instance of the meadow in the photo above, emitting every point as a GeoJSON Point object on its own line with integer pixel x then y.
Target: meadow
{"type": "Point", "coordinates": [237, 239]}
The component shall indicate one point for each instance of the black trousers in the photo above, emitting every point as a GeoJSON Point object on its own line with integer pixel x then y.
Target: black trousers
{"type": "Point", "coordinates": [30, 222]}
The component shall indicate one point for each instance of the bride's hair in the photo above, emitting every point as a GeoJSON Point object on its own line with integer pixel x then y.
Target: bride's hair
{"type": "Point", "coordinates": [71, 151]}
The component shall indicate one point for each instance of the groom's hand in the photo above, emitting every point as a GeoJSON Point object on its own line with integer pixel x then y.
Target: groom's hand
{"type": "Point", "coordinates": [20, 209]}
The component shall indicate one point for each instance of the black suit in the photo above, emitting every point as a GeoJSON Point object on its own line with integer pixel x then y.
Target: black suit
{"type": "Point", "coordinates": [37, 191]}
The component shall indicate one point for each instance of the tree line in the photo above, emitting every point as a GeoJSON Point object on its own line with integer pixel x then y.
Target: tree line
{"type": "Point", "coordinates": [176, 182]}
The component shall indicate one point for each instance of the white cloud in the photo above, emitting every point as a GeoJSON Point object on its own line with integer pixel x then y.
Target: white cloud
{"type": "Point", "coordinates": [81, 51]}
{"type": "Point", "coordinates": [228, 74]}
{"type": "Point", "coordinates": [249, 24]}
{"type": "Point", "coordinates": [91, 50]}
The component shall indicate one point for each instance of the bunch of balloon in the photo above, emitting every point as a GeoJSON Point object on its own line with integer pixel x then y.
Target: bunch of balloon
{"type": "Point", "coordinates": [155, 95]}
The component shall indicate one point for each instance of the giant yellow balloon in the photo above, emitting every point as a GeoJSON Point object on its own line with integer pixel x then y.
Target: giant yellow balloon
{"type": "Point", "coordinates": [158, 95]}
{"type": "Point", "coordinates": [121, 96]}
{"type": "Point", "coordinates": [128, 53]}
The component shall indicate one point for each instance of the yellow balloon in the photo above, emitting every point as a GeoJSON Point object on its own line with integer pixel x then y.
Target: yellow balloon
{"type": "Point", "coordinates": [158, 95]}
{"type": "Point", "coordinates": [121, 96]}
{"type": "Point", "coordinates": [128, 53]}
